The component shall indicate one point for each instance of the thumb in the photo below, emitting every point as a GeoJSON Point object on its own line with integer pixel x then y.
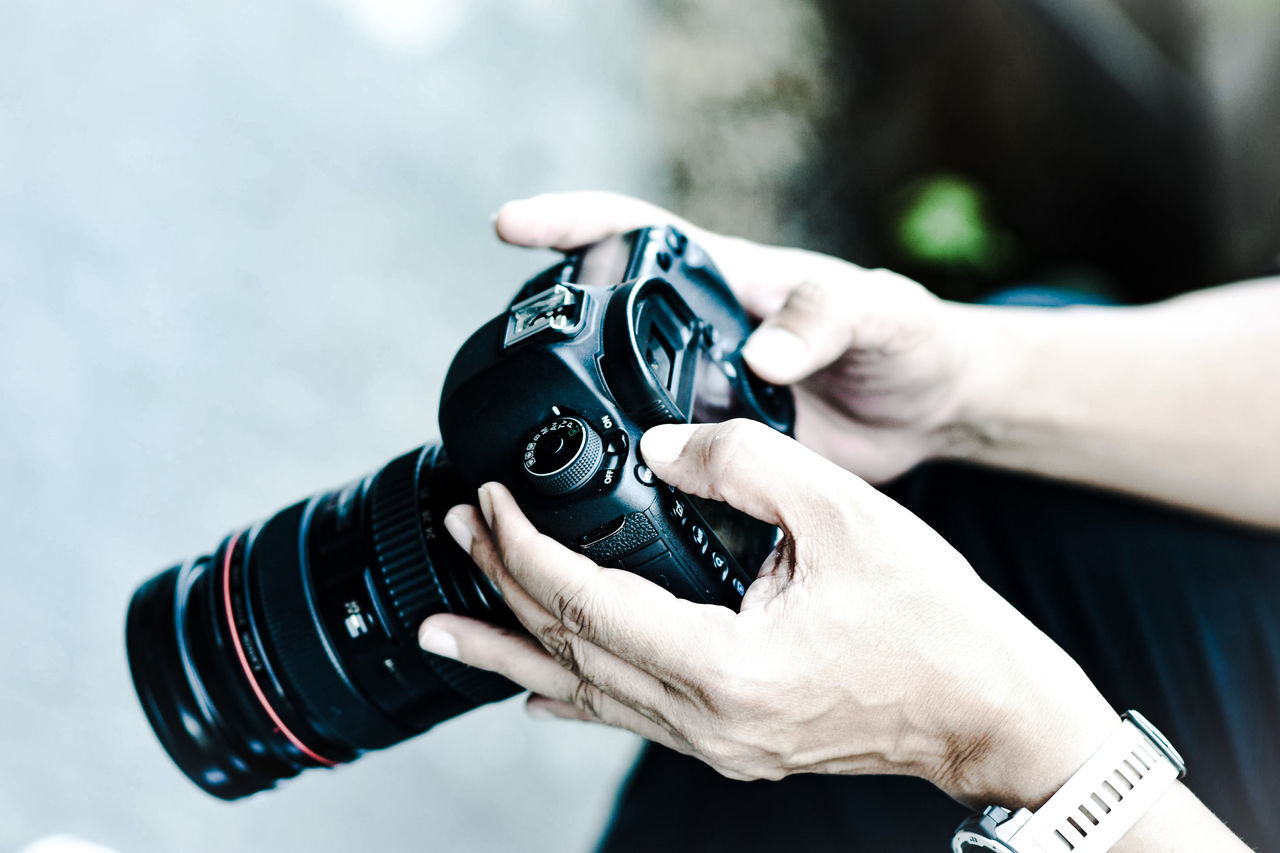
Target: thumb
{"type": "Point", "coordinates": [855, 308]}
{"type": "Point", "coordinates": [814, 327]}
{"type": "Point", "coordinates": [745, 464]}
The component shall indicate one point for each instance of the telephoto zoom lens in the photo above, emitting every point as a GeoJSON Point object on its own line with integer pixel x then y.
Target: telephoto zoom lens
{"type": "Point", "coordinates": [294, 644]}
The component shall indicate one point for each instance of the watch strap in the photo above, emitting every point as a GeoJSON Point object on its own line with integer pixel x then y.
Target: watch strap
{"type": "Point", "coordinates": [1106, 796]}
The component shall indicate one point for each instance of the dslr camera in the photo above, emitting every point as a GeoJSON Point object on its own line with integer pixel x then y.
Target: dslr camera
{"type": "Point", "coordinates": [294, 644]}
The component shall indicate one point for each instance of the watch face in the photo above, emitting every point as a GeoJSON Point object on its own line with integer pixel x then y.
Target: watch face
{"type": "Point", "coordinates": [965, 841]}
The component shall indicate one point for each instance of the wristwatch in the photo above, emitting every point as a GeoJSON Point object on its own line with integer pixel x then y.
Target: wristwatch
{"type": "Point", "coordinates": [1096, 806]}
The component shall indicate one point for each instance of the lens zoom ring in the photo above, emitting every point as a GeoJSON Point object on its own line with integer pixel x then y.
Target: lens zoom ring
{"type": "Point", "coordinates": [400, 545]}
{"type": "Point", "coordinates": [409, 577]}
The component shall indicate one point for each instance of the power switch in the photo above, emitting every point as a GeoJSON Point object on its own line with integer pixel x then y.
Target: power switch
{"type": "Point", "coordinates": [615, 450]}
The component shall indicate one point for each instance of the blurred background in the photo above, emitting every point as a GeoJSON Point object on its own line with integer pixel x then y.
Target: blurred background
{"type": "Point", "coordinates": [240, 242]}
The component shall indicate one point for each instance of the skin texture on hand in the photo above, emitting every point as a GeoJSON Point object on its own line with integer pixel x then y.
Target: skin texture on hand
{"type": "Point", "coordinates": [866, 645]}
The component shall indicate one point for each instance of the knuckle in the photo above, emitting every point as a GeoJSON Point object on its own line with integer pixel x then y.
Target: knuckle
{"type": "Point", "coordinates": [511, 547]}
{"type": "Point", "coordinates": [731, 773]}
{"type": "Point", "coordinates": [561, 645]}
{"type": "Point", "coordinates": [887, 278]}
{"type": "Point", "coordinates": [588, 698]}
{"type": "Point", "coordinates": [705, 746]}
{"type": "Point", "coordinates": [726, 757]}
{"type": "Point", "coordinates": [744, 752]}
{"type": "Point", "coordinates": [728, 446]}
{"type": "Point", "coordinates": [572, 606]}
{"type": "Point", "coordinates": [897, 290]}
{"type": "Point", "coordinates": [810, 298]}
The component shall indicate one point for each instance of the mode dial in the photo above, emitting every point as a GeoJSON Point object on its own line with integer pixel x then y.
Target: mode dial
{"type": "Point", "coordinates": [562, 455]}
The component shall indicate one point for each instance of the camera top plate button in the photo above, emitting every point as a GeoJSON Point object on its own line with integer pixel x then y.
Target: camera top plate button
{"type": "Point", "coordinates": [644, 475]}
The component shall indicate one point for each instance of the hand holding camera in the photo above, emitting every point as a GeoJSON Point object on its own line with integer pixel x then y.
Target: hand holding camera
{"type": "Point", "coordinates": [880, 367]}
{"type": "Point", "coordinates": [866, 644]}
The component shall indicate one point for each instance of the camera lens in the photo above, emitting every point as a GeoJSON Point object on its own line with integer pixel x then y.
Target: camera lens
{"type": "Point", "coordinates": [294, 644]}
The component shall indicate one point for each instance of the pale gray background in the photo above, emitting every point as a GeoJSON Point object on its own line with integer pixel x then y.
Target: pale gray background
{"type": "Point", "coordinates": [239, 243]}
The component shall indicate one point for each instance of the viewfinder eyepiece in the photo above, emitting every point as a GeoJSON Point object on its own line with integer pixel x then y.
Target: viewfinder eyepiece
{"type": "Point", "coordinates": [652, 338]}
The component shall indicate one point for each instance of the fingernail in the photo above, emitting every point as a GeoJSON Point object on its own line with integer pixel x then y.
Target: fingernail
{"type": "Point", "coordinates": [455, 521]}
{"type": "Point", "coordinates": [511, 212]}
{"type": "Point", "coordinates": [486, 504]}
{"type": "Point", "coordinates": [776, 351]}
{"type": "Point", "coordinates": [438, 642]}
{"type": "Point", "coordinates": [539, 711]}
{"type": "Point", "coordinates": [664, 443]}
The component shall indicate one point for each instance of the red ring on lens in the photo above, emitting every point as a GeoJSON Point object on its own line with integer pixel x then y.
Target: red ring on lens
{"type": "Point", "coordinates": [248, 671]}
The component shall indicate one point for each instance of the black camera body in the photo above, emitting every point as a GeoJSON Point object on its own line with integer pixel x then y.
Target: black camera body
{"type": "Point", "coordinates": [551, 399]}
{"type": "Point", "coordinates": [293, 644]}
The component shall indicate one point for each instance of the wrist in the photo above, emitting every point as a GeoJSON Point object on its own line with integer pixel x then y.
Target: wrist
{"type": "Point", "coordinates": [1038, 752]}
{"type": "Point", "coordinates": [1028, 724]}
{"type": "Point", "coordinates": [991, 348]}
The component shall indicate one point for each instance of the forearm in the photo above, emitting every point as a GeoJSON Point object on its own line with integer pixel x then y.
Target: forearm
{"type": "Point", "coordinates": [1179, 401]}
{"type": "Point", "coordinates": [1179, 822]}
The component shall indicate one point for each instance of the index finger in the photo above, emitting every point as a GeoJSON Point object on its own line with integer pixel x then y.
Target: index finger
{"type": "Point", "coordinates": [613, 609]}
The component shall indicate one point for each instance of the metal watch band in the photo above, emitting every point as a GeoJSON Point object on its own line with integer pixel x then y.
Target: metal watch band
{"type": "Point", "coordinates": [1107, 796]}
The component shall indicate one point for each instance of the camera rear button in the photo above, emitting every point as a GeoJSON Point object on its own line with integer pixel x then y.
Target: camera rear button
{"type": "Point", "coordinates": [678, 511]}
{"type": "Point", "coordinates": [699, 539]}
{"type": "Point", "coordinates": [721, 565]}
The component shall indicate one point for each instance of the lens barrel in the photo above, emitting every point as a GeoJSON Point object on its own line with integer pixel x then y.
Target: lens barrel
{"type": "Point", "coordinates": [294, 644]}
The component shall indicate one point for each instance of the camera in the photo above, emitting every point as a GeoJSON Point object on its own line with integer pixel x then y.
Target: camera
{"type": "Point", "coordinates": [294, 644]}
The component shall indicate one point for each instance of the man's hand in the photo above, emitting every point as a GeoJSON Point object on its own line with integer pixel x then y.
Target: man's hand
{"type": "Point", "coordinates": [866, 645]}
{"type": "Point", "coordinates": [876, 361]}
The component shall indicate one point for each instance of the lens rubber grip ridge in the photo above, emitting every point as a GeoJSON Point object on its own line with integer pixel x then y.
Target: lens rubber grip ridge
{"type": "Point", "coordinates": [400, 544]}
{"type": "Point", "coordinates": [410, 579]}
